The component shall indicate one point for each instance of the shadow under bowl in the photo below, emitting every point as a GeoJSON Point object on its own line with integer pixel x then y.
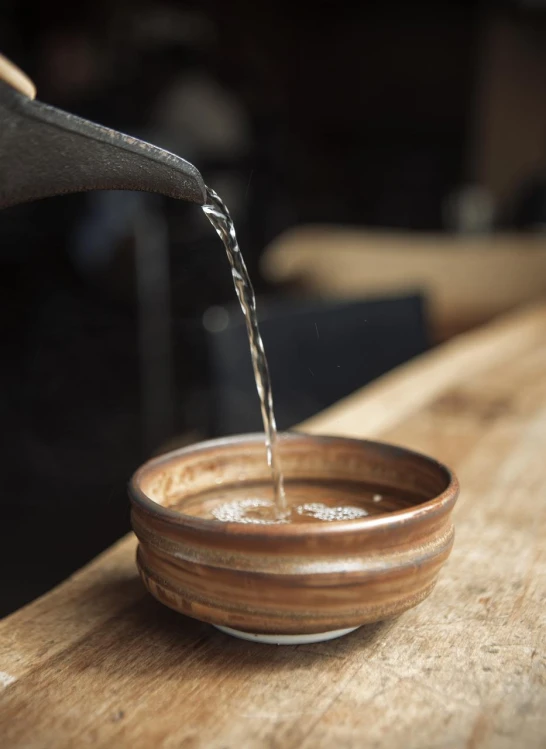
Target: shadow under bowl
{"type": "Point", "coordinates": [293, 582]}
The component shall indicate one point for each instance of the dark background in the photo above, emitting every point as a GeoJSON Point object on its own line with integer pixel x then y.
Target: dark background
{"type": "Point", "coordinates": [352, 113]}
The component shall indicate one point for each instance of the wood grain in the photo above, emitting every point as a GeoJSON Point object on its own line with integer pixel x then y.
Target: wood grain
{"type": "Point", "coordinates": [99, 663]}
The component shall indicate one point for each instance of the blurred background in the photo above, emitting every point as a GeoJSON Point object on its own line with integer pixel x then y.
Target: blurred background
{"type": "Point", "coordinates": [385, 164]}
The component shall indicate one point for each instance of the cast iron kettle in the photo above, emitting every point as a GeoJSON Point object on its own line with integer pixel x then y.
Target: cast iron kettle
{"type": "Point", "coordinates": [45, 151]}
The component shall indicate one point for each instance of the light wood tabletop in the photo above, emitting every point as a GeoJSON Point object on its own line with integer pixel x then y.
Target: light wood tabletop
{"type": "Point", "coordinates": [97, 662]}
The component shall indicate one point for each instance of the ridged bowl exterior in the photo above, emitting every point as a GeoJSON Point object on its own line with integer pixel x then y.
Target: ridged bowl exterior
{"type": "Point", "coordinates": [292, 578]}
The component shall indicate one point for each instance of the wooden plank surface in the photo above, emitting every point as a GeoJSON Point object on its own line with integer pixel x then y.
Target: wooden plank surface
{"type": "Point", "coordinates": [98, 663]}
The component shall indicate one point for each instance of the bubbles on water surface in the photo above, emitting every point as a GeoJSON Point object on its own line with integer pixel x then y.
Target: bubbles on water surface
{"type": "Point", "coordinates": [320, 511]}
{"type": "Point", "coordinates": [245, 511]}
{"type": "Point", "coordinates": [260, 512]}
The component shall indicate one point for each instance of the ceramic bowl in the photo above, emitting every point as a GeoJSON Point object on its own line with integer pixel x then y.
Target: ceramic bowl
{"type": "Point", "coordinates": [299, 582]}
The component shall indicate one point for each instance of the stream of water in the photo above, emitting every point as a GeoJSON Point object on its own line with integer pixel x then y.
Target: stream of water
{"type": "Point", "coordinates": [218, 215]}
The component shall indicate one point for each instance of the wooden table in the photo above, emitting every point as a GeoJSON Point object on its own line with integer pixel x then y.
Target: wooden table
{"type": "Point", "coordinates": [98, 663]}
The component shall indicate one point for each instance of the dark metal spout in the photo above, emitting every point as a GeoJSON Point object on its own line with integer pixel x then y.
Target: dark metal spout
{"type": "Point", "coordinates": [45, 151]}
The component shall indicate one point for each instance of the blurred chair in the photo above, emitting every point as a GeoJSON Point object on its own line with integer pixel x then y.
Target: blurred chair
{"type": "Point", "coordinates": [317, 354]}
{"type": "Point", "coordinates": [467, 280]}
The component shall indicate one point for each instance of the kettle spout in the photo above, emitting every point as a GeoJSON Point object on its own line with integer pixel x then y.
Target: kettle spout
{"type": "Point", "coordinates": [45, 151]}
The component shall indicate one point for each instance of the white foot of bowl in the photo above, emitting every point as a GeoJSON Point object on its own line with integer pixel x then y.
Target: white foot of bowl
{"type": "Point", "coordinates": [286, 639]}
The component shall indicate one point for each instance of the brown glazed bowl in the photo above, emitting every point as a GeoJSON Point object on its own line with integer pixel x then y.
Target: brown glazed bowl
{"type": "Point", "coordinates": [296, 582]}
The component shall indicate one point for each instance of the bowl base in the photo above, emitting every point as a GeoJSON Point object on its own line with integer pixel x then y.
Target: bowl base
{"type": "Point", "coordinates": [286, 639]}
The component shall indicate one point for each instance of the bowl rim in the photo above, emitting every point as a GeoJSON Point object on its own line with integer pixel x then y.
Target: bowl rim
{"type": "Point", "coordinates": [437, 505]}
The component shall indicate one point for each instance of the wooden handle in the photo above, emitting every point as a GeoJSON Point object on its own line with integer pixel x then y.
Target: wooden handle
{"type": "Point", "coordinates": [11, 74]}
